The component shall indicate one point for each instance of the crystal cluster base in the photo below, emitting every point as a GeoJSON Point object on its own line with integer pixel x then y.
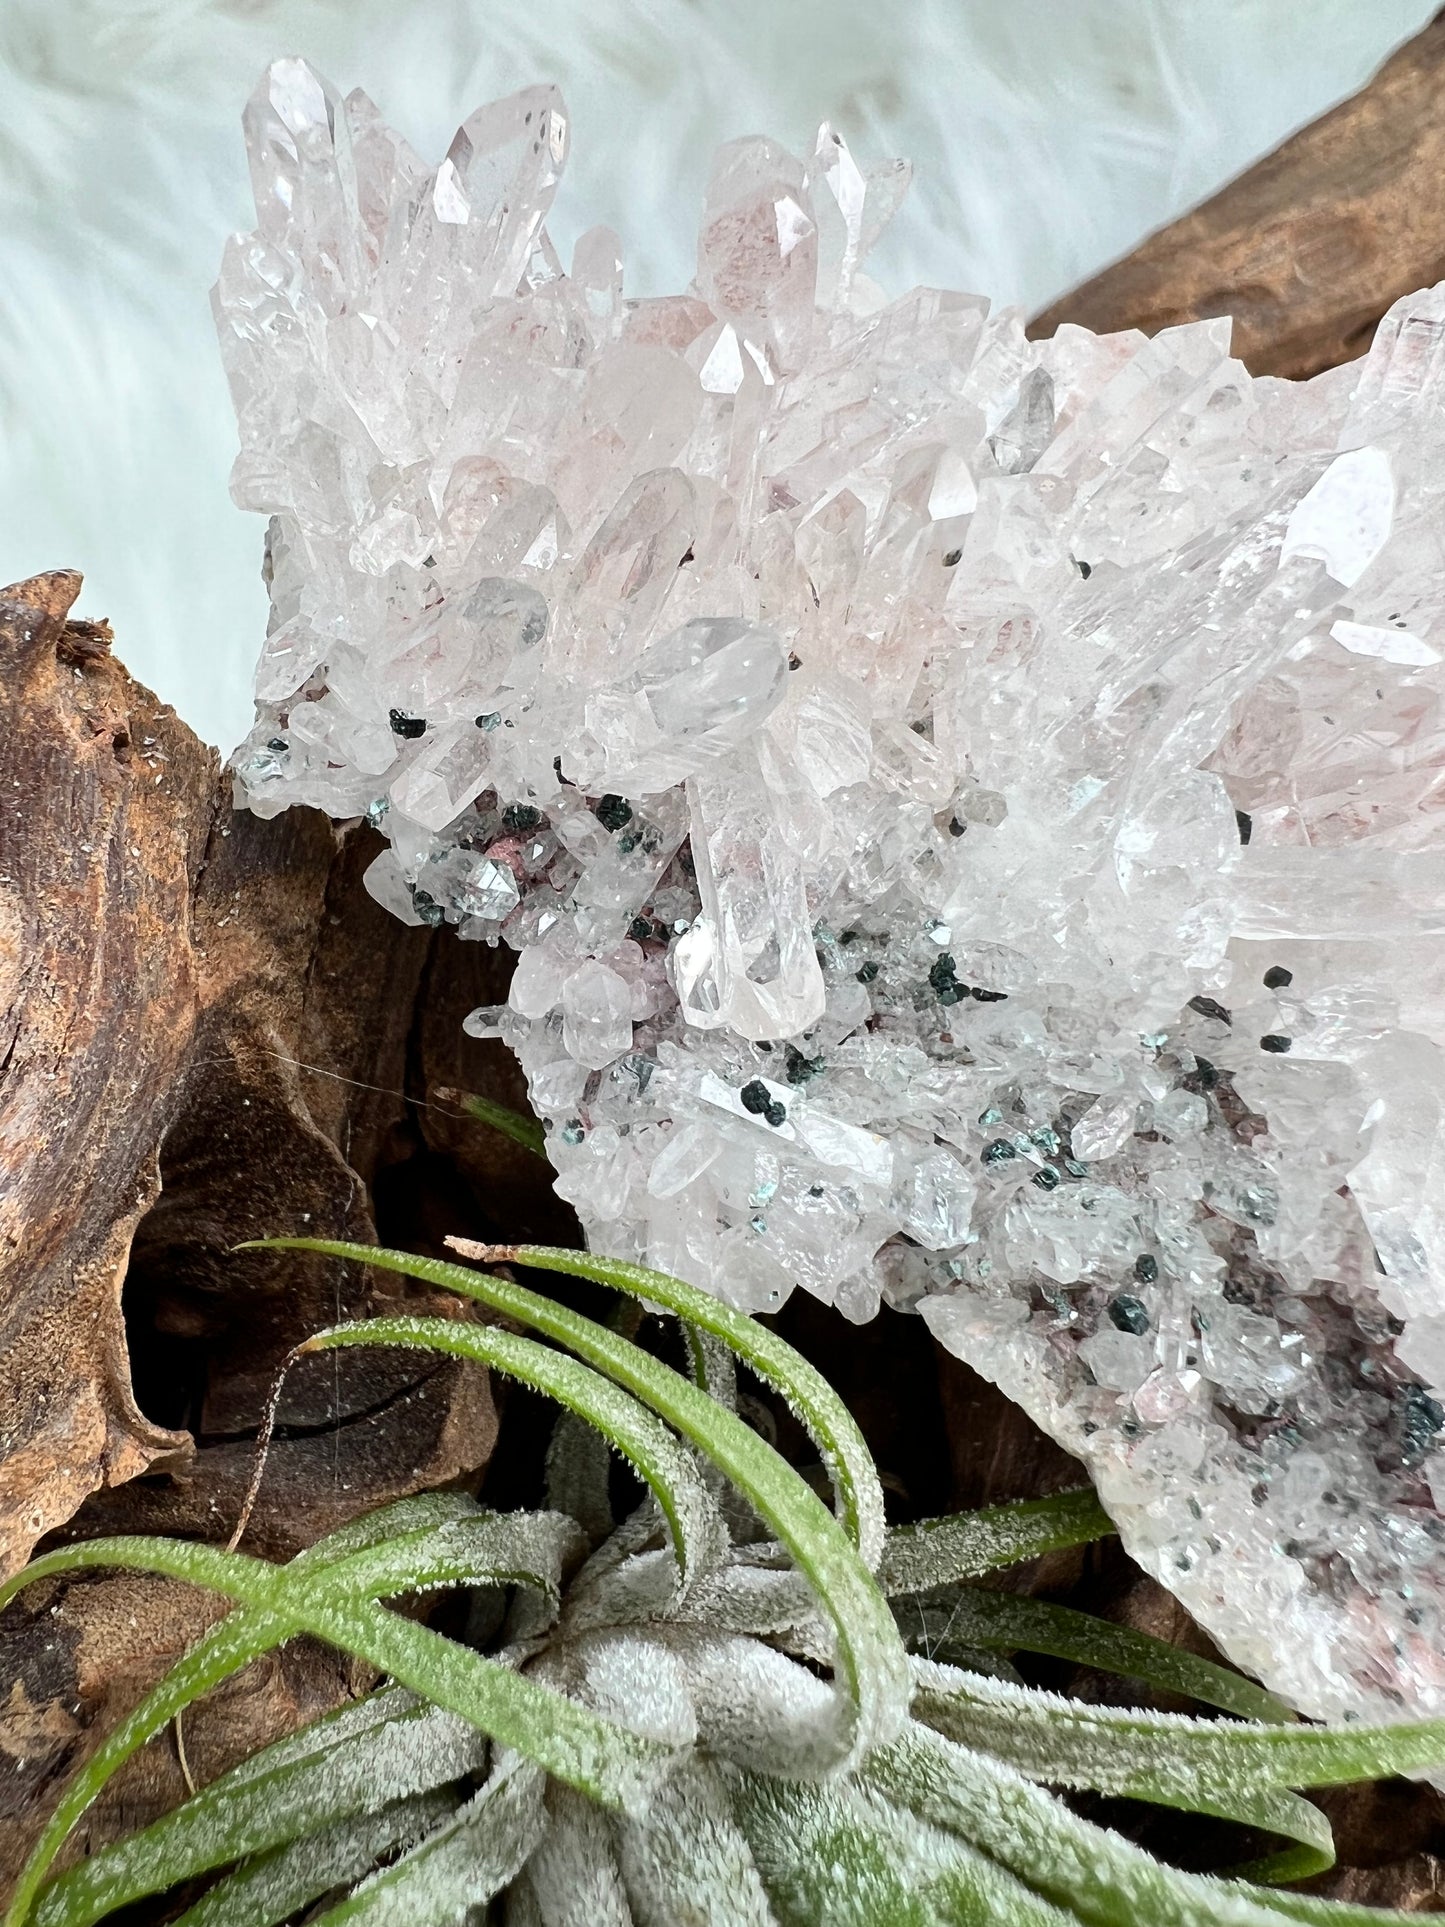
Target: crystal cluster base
{"type": "Point", "coordinates": [966, 809]}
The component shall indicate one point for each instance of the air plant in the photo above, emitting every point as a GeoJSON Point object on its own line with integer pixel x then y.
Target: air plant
{"type": "Point", "coordinates": [706, 1715]}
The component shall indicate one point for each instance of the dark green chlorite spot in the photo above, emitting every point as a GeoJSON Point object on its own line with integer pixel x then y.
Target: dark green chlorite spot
{"type": "Point", "coordinates": [613, 812]}
{"type": "Point", "coordinates": [1128, 1315]}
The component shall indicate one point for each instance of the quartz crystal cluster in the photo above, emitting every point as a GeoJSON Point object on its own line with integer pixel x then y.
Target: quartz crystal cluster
{"type": "Point", "coordinates": [966, 809]}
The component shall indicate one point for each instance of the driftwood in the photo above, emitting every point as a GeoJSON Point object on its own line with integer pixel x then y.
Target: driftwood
{"type": "Point", "coordinates": [1310, 247]}
{"type": "Point", "coordinates": [208, 1031]}
{"type": "Point", "coordinates": [211, 1032]}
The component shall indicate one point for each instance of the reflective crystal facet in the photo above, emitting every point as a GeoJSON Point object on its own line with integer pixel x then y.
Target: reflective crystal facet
{"type": "Point", "coordinates": [965, 808]}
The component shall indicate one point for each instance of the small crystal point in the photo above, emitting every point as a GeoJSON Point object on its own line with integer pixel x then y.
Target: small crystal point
{"type": "Point", "coordinates": [290, 123]}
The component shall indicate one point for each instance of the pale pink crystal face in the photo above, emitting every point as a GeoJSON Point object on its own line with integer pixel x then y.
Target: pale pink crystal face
{"type": "Point", "coordinates": [966, 809]}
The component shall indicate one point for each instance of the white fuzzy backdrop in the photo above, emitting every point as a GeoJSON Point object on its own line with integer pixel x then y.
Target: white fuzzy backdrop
{"type": "Point", "coordinates": [1047, 136]}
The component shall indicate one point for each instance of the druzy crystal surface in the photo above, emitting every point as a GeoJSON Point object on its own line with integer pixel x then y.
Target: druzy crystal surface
{"type": "Point", "coordinates": [966, 809]}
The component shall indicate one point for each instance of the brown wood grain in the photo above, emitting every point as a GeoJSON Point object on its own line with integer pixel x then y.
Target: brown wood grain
{"type": "Point", "coordinates": [208, 1032]}
{"type": "Point", "coordinates": [1309, 247]}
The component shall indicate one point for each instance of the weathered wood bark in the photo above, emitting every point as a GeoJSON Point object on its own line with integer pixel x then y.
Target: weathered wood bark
{"type": "Point", "coordinates": [210, 1033]}
{"type": "Point", "coordinates": [1310, 247]}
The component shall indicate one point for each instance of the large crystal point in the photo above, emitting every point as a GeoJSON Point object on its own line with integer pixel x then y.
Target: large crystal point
{"type": "Point", "coordinates": [968, 811]}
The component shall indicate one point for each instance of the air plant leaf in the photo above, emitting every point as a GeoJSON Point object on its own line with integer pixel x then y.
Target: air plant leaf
{"type": "Point", "coordinates": [828, 1421]}
{"type": "Point", "coordinates": [976, 1618]}
{"type": "Point", "coordinates": [517, 1125]}
{"type": "Point", "coordinates": [350, 1764]}
{"type": "Point", "coordinates": [935, 1552]}
{"type": "Point", "coordinates": [684, 1727]}
{"type": "Point", "coordinates": [1102, 1879]}
{"type": "Point", "coordinates": [268, 1888]}
{"type": "Point", "coordinates": [1218, 1751]}
{"type": "Point", "coordinates": [668, 1469]}
{"type": "Point", "coordinates": [687, 1859]}
{"type": "Point", "coordinates": [574, 1878]}
{"type": "Point", "coordinates": [461, 1865]}
{"type": "Point", "coordinates": [572, 1743]}
{"type": "Point", "coordinates": [871, 1662]}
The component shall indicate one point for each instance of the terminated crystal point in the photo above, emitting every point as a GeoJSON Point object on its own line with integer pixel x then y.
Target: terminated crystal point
{"type": "Point", "coordinates": [966, 809]}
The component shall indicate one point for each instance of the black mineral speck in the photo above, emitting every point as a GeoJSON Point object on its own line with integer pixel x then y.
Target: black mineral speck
{"type": "Point", "coordinates": [955, 828]}
{"type": "Point", "coordinates": [1209, 1007]}
{"type": "Point", "coordinates": [1047, 1179]}
{"type": "Point", "coordinates": [613, 811]}
{"type": "Point", "coordinates": [427, 907]}
{"type": "Point", "coordinates": [1146, 1268]}
{"type": "Point", "coordinates": [639, 929]}
{"type": "Point", "coordinates": [776, 1114]}
{"type": "Point", "coordinates": [520, 817]}
{"type": "Point", "coordinates": [943, 972]}
{"type": "Point", "coordinates": [867, 972]}
{"type": "Point", "coordinates": [795, 661]}
{"type": "Point", "coordinates": [278, 745]}
{"type": "Point", "coordinates": [1273, 1042]}
{"type": "Point", "coordinates": [406, 726]}
{"type": "Point", "coordinates": [953, 993]}
{"type": "Point", "coordinates": [1128, 1315]}
{"type": "Point", "coordinates": [1419, 1418]}
{"type": "Point", "coordinates": [952, 559]}
{"type": "Point", "coordinates": [1246, 825]}
{"type": "Point", "coordinates": [798, 1067]}
{"type": "Point", "coordinates": [755, 1097]}
{"type": "Point", "coordinates": [981, 996]}
{"type": "Point", "coordinates": [1085, 569]}
{"type": "Point", "coordinates": [999, 1152]}
{"type": "Point", "coordinates": [1277, 977]}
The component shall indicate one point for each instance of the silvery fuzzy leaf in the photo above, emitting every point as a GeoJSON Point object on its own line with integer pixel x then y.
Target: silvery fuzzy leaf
{"type": "Point", "coordinates": [686, 1859]}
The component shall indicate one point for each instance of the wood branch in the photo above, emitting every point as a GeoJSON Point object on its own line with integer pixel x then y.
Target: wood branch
{"type": "Point", "coordinates": [1310, 247]}
{"type": "Point", "coordinates": [210, 1033]}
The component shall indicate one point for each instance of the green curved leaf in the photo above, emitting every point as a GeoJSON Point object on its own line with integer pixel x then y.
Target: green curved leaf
{"type": "Point", "coordinates": [238, 1639]}
{"type": "Point", "coordinates": [575, 1745]}
{"type": "Point", "coordinates": [1097, 1876]}
{"type": "Point", "coordinates": [1219, 1752]}
{"type": "Point", "coordinates": [386, 1749]}
{"type": "Point", "coordinates": [520, 1128]}
{"type": "Point", "coordinates": [871, 1660]}
{"type": "Point", "coordinates": [1008, 1622]}
{"type": "Point", "coordinates": [936, 1552]}
{"type": "Point", "coordinates": [822, 1413]}
{"type": "Point", "coordinates": [271, 1887]}
{"type": "Point", "coordinates": [459, 1866]}
{"type": "Point", "coordinates": [623, 1419]}
{"type": "Point", "coordinates": [1131, 1755]}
